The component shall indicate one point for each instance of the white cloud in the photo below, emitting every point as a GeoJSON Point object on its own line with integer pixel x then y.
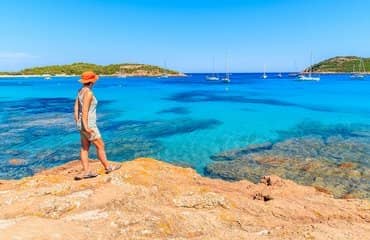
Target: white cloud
{"type": "Point", "coordinates": [16, 56]}
{"type": "Point", "coordinates": [14, 61]}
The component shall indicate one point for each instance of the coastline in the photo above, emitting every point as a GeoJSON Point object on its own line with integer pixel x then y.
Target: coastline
{"type": "Point", "coordinates": [160, 75]}
{"type": "Point", "coordinates": [149, 199]}
{"type": "Point", "coordinates": [102, 75]}
{"type": "Point", "coordinates": [77, 68]}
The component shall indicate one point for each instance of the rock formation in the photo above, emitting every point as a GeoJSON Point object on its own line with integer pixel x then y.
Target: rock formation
{"type": "Point", "coordinates": [333, 164]}
{"type": "Point", "coordinates": [149, 199]}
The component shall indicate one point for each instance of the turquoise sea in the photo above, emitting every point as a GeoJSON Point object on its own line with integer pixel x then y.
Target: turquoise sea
{"type": "Point", "coordinates": [183, 120]}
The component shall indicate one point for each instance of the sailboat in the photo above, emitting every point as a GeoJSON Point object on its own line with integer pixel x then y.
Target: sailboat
{"type": "Point", "coordinates": [226, 79]}
{"type": "Point", "coordinates": [164, 75]}
{"type": "Point", "coordinates": [309, 77]}
{"type": "Point", "coordinates": [122, 72]}
{"type": "Point", "coordinates": [264, 76]}
{"type": "Point", "coordinates": [295, 73]}
{"type": "Point", "coordinates": [279, 75]}
{"type": "Point", "coordinates": [358, 74]}
{"type": "Point", "coordinates": [213, 77]}
{"type": "Point", "coordinates": [47, 76]}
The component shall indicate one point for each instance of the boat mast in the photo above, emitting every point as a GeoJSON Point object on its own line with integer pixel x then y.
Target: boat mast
{"type": "Point", "coordinates": [295, 67]}
{"type": "Point", "coordinates": [310, 69]}
{"type": "Point", "coordinates": [213, 67]}
{"type": "Point", "coordinates": [363, 66]}
{"type": "Point", "coordinates": [227, 66]}
{"type": "Point", "coordinates": [122, 71]}
{"type": "Point", "coordinates": [165, 69]}
{"type": "Point", "coordinates": [359, 67]}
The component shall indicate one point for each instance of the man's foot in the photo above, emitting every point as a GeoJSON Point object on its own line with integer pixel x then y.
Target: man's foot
{"type": "Point", "coordinates": [112, 168]}
{"type": "Point", "coordinates": [85, 176]}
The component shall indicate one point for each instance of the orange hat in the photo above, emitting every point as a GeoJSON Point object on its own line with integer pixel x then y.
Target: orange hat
{"type": "Point", "coordinates": [88, 76]}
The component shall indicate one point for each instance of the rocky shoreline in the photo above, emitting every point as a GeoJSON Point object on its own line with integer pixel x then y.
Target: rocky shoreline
{"type": "Point", "coordinates": [333, 159]}
{"type": "Point", "coordinates": [149, 199]}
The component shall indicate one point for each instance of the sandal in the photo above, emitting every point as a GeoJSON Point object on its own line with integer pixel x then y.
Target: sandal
{"type": "Point", "coordinates": [86, 176]}
{"type": "Point", "coordinates": [112, 168]}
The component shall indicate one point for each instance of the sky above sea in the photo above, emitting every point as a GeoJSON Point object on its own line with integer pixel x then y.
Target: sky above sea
{"type": "Point", "coordinates": [187, 35]}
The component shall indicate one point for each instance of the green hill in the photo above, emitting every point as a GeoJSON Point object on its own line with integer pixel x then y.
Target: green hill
{"type": "Point", "coordinates": [128, 69]}
{"type": "Point", "coordinates": [341, 65]}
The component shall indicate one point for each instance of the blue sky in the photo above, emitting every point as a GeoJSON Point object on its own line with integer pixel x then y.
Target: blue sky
{"type": "Point", "coordinates": [185, 34]}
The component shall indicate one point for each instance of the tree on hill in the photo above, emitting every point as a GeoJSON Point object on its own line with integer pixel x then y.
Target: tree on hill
{"type": "Point", "coordinates": [80, 67]}
{"type": "Point", "coordinates": [342, 64]}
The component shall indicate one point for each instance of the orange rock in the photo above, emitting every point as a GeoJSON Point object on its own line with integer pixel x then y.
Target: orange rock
{"type": "Point", "coordinates": [150, 199]}
{"type": "Point", "coordinates": [323, 190]}
{"type": "Point", "coordinates": [16, 161]}
{"type": "Point", "coordinates": [346, 165]}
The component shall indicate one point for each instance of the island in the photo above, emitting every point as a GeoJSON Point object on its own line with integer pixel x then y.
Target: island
{"type": "Point", "coordinates": [124, 69]}
{"type": "Point", "coordinates": [342, 64]}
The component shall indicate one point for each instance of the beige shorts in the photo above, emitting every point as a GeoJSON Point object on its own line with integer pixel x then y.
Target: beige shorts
{"type": "Point", "coordinates": [91, 137]}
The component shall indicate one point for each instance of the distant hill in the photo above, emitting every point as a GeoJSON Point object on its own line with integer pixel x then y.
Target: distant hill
{"type": "Point", "coordinates": [128, 69]}
{"type": "Point", "coordinates": [344, 64]}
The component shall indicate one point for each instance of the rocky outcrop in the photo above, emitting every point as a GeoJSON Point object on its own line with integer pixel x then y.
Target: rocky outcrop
{"type": "Point", "coordinates": [149, 199]}
{"type": "Point", "coordinates": [333, 164]}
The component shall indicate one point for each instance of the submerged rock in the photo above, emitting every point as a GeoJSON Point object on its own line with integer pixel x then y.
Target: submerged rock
{"type": "Point", "coordinates": [16, 161]}
{"type": "Point", "coordinates": [230, 155]}
{"type": "Point", "coordinates": [336, 164]}
{"type": "Point", "coordinates": [336, 179]}
{"type": "Point", "coordinates": [175, 110]}
{"type": "Point", "coordinates": [42, 132]}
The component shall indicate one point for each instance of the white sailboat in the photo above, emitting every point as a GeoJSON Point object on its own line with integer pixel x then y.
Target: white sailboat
{"type": "Point", "coordinates": [122, 72]}
{"type": "Point", "coordinates": [226, 79]}
{"type": "Point", "coordinates": [47, 76]}
{"type": "Point", "coordinates": [279, 75]}
{"type": "Point", "coordinates": [309, 77]}
{"type": "Point", "coordinates": [264, 76]}
{"type": "Point", "coordinates": [213, 77]}
{"type": "Point", "coordinates": [358, 74]}
{"type": "Point", "coordinates": [165, 75]}
{"type": "Point", "coordinates": [295, 73]}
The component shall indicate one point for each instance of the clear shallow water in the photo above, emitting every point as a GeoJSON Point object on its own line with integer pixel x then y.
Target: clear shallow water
{"type": "Point", "coordinates": [180, 120]}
